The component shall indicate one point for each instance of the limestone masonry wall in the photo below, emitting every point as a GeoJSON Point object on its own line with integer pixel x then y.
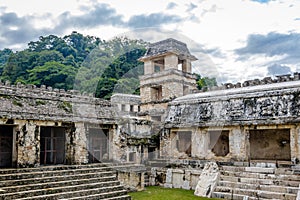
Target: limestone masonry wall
{"type": "Point", "coordinates": [30, 102]}
{"type": "Point", "coordinates": [277, 103]}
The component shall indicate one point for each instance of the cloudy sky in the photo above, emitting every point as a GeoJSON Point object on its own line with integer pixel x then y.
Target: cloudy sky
{"type": "Point", "coordinates": [234, 40]}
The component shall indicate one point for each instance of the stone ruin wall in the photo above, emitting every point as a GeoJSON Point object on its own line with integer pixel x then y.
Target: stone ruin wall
{"type": "Point", "coordinates": [30, 102]}
{"type": "Point", "coordinates": [28, 108]}
{"type": "Point", "coordinates": [254, 82]}
{"type": "Point", "coordinates": [238, 110]}
{"type": "Point", "coordinates": [277, 103]}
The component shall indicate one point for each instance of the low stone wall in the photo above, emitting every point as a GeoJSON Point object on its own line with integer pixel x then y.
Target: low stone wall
{"type": "Point", "coordinates": [175, 178]}
{"type": "Point", "coordinates": [132, 179]}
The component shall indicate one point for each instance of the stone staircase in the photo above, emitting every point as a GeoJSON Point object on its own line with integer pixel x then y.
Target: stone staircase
{"type": "Point", "coordinates": [93, 181]}
{"type": "Point", "coordinates": [257, 183]}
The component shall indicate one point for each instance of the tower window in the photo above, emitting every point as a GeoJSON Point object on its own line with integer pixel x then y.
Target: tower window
{"type": "Point", "coordinates": [131, 108]}
{"type": "Point", "coordinates": [185, 90]}
{"type": "Point", "coordinates": [122, 107]}
{"type": "Point", "coordinates": [159, 65]}
{"type": "Point", "coordinates": [180, 66]}
{"type": "Point", "coordinates": [157, 68]}
{"type": "Point", "coordinates": [156, 93]}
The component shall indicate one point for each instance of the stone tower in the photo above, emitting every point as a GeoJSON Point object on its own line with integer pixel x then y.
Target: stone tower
{"type": "Point", "coordinates": [167, 75]}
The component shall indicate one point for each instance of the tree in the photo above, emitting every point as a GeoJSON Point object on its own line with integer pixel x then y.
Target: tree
{"type": "Point", "coordinates": [53, 74]}
{"type": "Point", "coordinates": [105, 87]}
{"type": "Point", "coordinates": [85, 63]}
{"type": "Point", "coordinates": [49, 42]}
{"type": "Point", "coordinates": [108, 63]}
{"type": "Point", "coordinates": [17, 65]}
{"type": "Point", "coordinates": [4, 55]}
{"type": "Point", "coordinates": [82, 45]}
{"type": "Point", "coordinates": [205, 82]}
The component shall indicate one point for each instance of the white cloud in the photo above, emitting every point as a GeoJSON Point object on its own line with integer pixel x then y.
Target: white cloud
{"type": "Point", "coordinates": [218, 26]}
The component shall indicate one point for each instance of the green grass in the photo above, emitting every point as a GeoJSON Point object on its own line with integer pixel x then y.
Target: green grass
{"type": "Point", "coordinates": [159, 193]}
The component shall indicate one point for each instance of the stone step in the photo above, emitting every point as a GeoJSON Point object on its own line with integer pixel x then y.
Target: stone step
{"type": "Point", "coordinates": [36, 174]}
{"type": "Point", "coordinates": [51, 168]}
{"type": "Point", "coordinates": [81, 194]}
{"type": "Point", "coordinates": [62, 182]}
{"type": "Point", "coordinates": [62, 192]}
{"type": "Point", "coordinates": [260, 170]}
{"type": "Point", "coordinates": [224, 195]}
{"type": "Point", "coordinates": [232, 168]}
{"type": "Point", "coordinates": [260, 181]}
{"type": "Point", "coordinates": [124, 197]}
{"type": "Point", "coordinates": [256, 193]}
{"type": "Point", "coordinates": [243, 169]}
{"type": "Point", "coordinates": [290, 177]}
{"type": "Point", "coordinates": [264, 170]}
{"type": "Point", "coordinates": [105, 176]}
{"type": "Point", "coordinates": [271, 188]}
{"type": "Point", "coordinates": [272, 164]}
{"type": "Point", "coordinates": [35, 186]}
{"type": "Point", "coordinates": [97, 196]}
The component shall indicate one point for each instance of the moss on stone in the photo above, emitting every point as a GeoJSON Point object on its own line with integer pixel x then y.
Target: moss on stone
{"type": "Point", "coordinates": [66, 106]}
{"type": "Point", "coordinates": [17, 103]}
{"type": "Point", "coordinates": [40, 102]}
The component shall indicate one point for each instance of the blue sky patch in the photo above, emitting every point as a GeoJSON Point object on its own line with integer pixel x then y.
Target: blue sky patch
{"type": "Point", "coordinates": [261, 1]}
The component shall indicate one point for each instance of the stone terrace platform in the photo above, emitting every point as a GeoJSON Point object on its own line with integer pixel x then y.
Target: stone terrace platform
{"type": "Point", "coordinates": [92, 181]}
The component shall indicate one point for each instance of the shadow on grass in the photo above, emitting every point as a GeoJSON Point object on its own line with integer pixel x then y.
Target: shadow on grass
{"type": "Point", "coordinates": [159, 193]}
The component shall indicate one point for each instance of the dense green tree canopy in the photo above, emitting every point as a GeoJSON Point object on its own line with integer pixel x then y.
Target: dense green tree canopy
{"type": "Point", "coordinates": [53, 74]}
{"type": "Point", "coordinates": [203, 83]}
{"type": "Point", "coordinates": [84, 63]}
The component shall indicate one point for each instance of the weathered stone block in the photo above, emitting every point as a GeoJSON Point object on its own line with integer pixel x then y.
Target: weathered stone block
{"type": "Point", "coordinates": [208, 180]}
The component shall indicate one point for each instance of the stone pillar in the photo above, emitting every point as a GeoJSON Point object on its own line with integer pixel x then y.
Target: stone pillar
{"type": "Point", "coordinates": [187, 66]}
{"type": "Point", "coordinates": [117, 146]}
{"type": "Point", "coordinates": [165, 144]}
{"type": "Point", "coordinates": [152, 176]}
{"type": "Point", "coordinates": [148, 67]}
{"type": "Point", "coordinates": [70, 144]}
{"type": "Point", "coordinates": [145, 95]}
{"type": "Point", "coordinates": [238, 144]}
{"type": "Point", "coordinates": [171, 62]}
{"type": "Point", "coordinates": [111, 134]}
{"type": "Point", "coordinates": [169, 179]}
{"type": "Point", "coordinates": [28, 140]}
{"type": "Point", "coordinates": [77, 140]}
{"type": "Point", "coordinates": [294, 143]}
{"type": "Point", "coordinates": [187, 180]}
{"type": "Point", "coordinates": [14, 148]}
{"type": "Point", "coordinates": [200, 144]}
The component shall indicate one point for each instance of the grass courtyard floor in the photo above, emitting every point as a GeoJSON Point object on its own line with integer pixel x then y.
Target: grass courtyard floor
{"type": "Point", "coordinates": [159, 193]}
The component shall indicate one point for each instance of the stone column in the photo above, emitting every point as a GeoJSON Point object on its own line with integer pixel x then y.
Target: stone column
{"type": "Point", "coordinates": [171, 62]}
{"type": "Point", "coordinates": [294, 143]}
{"type": "Point", "coordinates": [80, 144]}
{"type": "Point", "coordinates": [169, 179]}
{"type": "Point", "coordinates": [148, 67]}
{"type": "Point", "coordinates": [200, 142]}
{"type": "Point", "coordinates": [118, 148]}
{"type": "Point", "coordinates": [14, 148]}
{"type": "Point", "coordinates": [238, 144]}
{"type": "Point", "coordinates": [28, 140]}
{"type": "Point", "coordinates": [186, 66]}
{"type": "Point", "coordinates": [165, 144]}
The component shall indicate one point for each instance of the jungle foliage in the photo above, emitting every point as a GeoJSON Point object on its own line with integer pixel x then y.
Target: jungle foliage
{"type": "Point", "coordinates": [75, 61]}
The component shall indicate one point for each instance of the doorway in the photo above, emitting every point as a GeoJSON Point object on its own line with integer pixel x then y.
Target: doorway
{"type": "Point", "coordinates": [52, 145]}
{"type": "Point", "coordinates": [273, 144]}
{"type": "Point", "coordinates": [98, 145]}
{"type": "Point", "coordinates": [6, 146]}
